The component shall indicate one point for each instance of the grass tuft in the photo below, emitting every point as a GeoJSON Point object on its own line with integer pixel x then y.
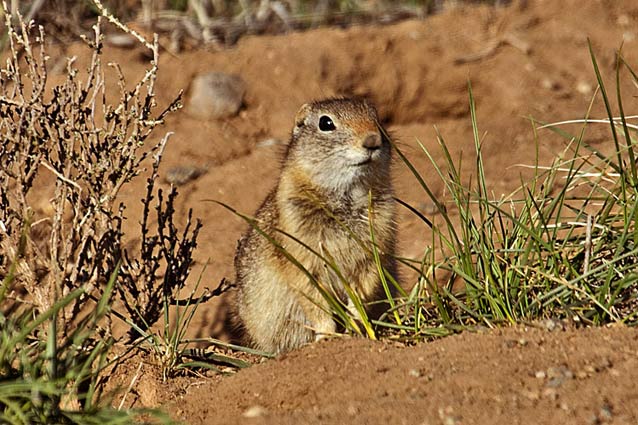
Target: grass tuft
{"type": "Point", "coordinates": [561, 246]}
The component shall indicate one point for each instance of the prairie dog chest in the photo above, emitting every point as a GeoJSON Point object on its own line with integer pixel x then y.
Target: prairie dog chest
{"type": "Point", "coordinates": [315, 220]}
{"type": "Point", "coordinates": [339, 229]}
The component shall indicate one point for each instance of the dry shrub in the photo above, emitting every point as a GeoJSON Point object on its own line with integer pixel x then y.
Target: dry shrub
{"type": "Point", "coordinates": [89, 149]}
{"type": "Point", "coordinates": [223, 22]}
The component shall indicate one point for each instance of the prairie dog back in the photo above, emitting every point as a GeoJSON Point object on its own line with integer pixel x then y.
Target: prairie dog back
{"type": "Point", "coordinates": [336, 167]}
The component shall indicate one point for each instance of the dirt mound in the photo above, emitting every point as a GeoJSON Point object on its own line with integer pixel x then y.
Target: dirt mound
{"type": "Point", "coordinates": [528, 59]}
{"type": "Point", "coordinates": [506, 376]}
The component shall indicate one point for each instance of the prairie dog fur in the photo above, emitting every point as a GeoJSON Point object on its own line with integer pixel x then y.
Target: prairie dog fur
{"type": "Point", "coordinates": [337, 155]}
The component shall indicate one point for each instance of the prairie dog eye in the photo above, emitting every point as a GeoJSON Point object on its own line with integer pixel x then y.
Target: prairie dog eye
{"type": "Point", "coordinates": [326, 124]}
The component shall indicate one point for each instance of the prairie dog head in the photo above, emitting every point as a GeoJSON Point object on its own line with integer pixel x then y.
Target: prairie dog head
{"type": "Point", "coordinates": [339, 144]}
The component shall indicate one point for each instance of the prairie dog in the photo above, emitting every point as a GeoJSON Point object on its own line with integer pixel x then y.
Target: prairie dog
{"type": "Point", "coordinates": [337, 155]}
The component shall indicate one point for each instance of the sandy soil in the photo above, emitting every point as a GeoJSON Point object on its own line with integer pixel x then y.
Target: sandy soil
{"type": "Point", "coordinates": [522, 61]}
{"type": "Point", "coordinates": [514, 376]}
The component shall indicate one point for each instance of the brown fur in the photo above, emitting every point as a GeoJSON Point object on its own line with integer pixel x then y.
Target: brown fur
{"type": "Point", "coordinates": [326, 180]}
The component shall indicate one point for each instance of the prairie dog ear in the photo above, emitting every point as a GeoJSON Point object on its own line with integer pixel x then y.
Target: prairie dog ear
{"type": "Point", "coordinates": [301, 116]}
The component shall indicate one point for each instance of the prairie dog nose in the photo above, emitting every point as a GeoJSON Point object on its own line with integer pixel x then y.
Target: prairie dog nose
{"type": "Point", "coordinates": [372, 141]}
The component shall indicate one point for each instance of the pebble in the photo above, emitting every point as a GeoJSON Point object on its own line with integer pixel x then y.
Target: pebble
{"type": "Point", "coordinates": [553, 325]}
{"type": "Point", "coordinates": [215, 95]}
{"type": "Point", "coordinates": [605, 412]}
{"type": "Point", "coordinates": [183, 174]}
{"type": "Point", "coordinates": [123, 41]}
{"type": "Point", "coordinates": [447, 416]}
{"type": "Point", "coordinates": [584, 88]}
{"type": "Point", "coordinates": [254, 412]}
{"type": "Point", "coordinates": [590, 369]}
{"type": "Point", "coordinates": [558, 375]}
{"type": "Point", "coordinates": [352, 410]}
{"type": "Point", "coordinates": [550, 393]}
{"type": "Point", "coordinates": [532, 395]}
{"type": "Point", "coordinates": [581, 374]}
{"type": "Point", "coordinates": [559, 372]}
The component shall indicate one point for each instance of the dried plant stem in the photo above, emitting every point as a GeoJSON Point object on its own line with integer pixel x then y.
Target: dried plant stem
{"type": "Point", "coordinates": [108, 15]}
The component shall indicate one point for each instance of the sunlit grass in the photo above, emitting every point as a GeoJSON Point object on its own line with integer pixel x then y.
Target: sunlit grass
{"type": "Point", "coordinates": [561, 246]}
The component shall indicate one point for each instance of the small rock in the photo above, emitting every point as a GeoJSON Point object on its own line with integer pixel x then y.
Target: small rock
{"type": "Point", "coordinates": [550, 393]}
{"type": "Point", "coordinates": [352, 410]}
{"type": "Point", "coordinates": [590, 369]}
{"type": "Point", "coordinates": [448, 417]}
{"type": "Point", "coordinates": [553, 325]}
{"type": "Point", "coordinates": [559, 372]}
{"type": "Point", "coordinates": [581, 374]}
{"type": "Point", "coordinates": [123, 41]}
{"type": "Point", "coordinates": [216, 95]}
{"type": "Point", "coordinates": [606, 413]}
{"type": "Point", "coordinates": [415, 373]}
{"type": "Point", "coordinates": [549, 324]}
{"type": "Point", "coordinates": [558, 375]}
{"type": "Point", "coordinates": [540, 374]}
{"type": "Point", "coordinates": [532, 395]}
{"type": "Point", "coordinates": [584, 88]}
{"type": "Point", "coordinates": [605, 363]}
{"type": "Point", "coordinates": [254, 412]}
{"type": "Point", "coordinates": [182, 174]}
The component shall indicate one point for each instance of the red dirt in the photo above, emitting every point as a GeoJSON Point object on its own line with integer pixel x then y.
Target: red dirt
{"type": "Point", "coordinates": [417, 73]}
{"type": "Point", "coordinates": [499, 377]}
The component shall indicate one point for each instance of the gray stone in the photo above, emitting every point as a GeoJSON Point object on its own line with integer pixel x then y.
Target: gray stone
{"type": "Point", "coordinates": [183, 174]}
{"type": "Point", "coordinates": [123, 41]}
{"type": "Point", "coordinates": [215, 95]}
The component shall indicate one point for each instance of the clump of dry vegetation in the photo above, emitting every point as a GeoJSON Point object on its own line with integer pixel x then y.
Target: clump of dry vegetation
{"type": "Point", "coordinates": [62, 264]}
{"type": "Point", "coordinates": [223, 22]}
